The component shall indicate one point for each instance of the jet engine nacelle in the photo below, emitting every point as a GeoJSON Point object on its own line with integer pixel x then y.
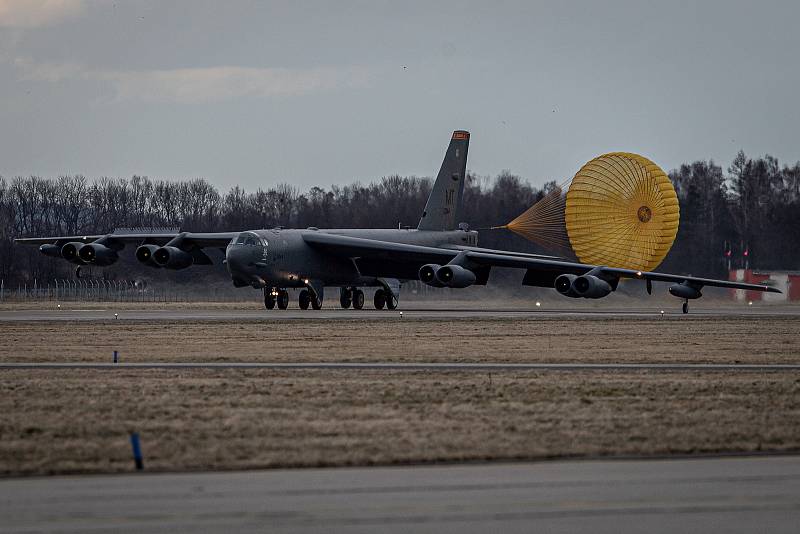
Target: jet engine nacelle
{"type": "Point", "coordinates": [427, 274]}
{"type": "Point", "coordinates": [144, 254]}
{"type": "Point", "coordinates": [54, 251]}
{"type": "Point", "coordinates": [455, 276]}
{"type": "Point", "coordinates": [70, 251]}
{"type": "Point", "coordinates": [563, 285]}
{"type": "Point", "coordinates": [172, 258]}
{"type": "Point", "coordinates": [97, 254]}
{"type": "Point", "coordinates": [591, 287]}
{"type": "Point", "coordinates": [684, 291]}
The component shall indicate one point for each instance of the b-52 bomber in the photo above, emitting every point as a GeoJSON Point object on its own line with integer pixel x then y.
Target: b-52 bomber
{"type": "Point", "coordinates": [440, 252]}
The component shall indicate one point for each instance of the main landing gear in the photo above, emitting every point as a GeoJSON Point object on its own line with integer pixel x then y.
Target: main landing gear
{"type": "Point", "coordinates": [306, 297]}
{"type": "Point", "coordinates": [384, 298]}
{"type": "Point", "coordinates": [273, 297]}
{"type": "Point", "coordinates": [350, 296]}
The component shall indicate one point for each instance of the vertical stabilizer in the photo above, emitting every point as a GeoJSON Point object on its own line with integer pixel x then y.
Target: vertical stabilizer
{"type": "Point", "coordinates": [444, 204]}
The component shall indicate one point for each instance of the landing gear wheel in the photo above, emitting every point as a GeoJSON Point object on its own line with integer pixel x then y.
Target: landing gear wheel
{"type": "Point", "coordinates": [391, 302]}
{"type": "Point", "coordinates": [380, 299]}
{"type": "Point", "coordinates": [269, 298]}
{"type": "Point", "coordinates": [283, 299]}
{"type": "Point", "coordinates": [316, 303]}
{"type": "Point", "coordinates": [686, 306]}
{"type": "Point", "coordinates": [304, 299]}
{"type": "Point", "coordinates": [78, 271]}
{"type": "Point", "coordinates": [358, 299]}
{"type": "Point", "coordinates": [346, 297]}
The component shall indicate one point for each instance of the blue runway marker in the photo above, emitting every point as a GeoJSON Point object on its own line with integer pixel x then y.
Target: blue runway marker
{"type": "Point", "coordinates": [137, 451]}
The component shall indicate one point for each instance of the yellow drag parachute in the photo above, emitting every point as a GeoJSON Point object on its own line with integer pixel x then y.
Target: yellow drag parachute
{"type": "Point", "coordinates": [620, 210]}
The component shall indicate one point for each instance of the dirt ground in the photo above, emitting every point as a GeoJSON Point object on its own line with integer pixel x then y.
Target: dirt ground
{"type": "Point", "coordinates": [69, 421]}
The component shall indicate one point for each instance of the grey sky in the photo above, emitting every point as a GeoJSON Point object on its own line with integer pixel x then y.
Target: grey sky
{"type": "Point", "coordinates": [315, 93]}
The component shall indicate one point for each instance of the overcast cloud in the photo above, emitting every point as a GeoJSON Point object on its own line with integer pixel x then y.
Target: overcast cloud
{"type": "Point", "coordinates": [315, 93]}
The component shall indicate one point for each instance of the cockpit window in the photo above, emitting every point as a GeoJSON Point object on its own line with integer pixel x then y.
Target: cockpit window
{"type": "Point", "coordinates": [248, 239]}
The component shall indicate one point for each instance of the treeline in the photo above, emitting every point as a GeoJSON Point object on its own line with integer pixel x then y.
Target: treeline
{"type": "Point", "coordinates": [755, 204]}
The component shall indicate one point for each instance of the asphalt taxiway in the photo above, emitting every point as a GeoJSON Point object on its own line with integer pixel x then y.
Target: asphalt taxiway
{"type": "Point", "coordinates": [728, 494]}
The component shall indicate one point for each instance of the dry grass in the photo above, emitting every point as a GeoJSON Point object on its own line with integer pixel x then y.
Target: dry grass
{"type": "Point", "coordinates": [746, 339]}
{"type": "Point", "coordinates": [59, 421]}
{"type": "Point", "coordinates": [78, 421]}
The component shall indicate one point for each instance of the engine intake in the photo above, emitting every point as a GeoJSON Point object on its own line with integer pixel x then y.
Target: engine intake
{"type": "Point", "coordinates": [70, 251]}
{"type": "Point", "coordinates": [172, 258]}
{"type": "Point", "coordinates": [563, 285]}
{"type": "Point", "coordinates": [144, 254]}
{"type": "Point", "coordinates": [591, 287]}
{"type": "Point", "coordinates": [97, 254]}
{"type": "Point", "coordinates": [427, 275]}
{"type": "Point", "coordinates": [455, 276]}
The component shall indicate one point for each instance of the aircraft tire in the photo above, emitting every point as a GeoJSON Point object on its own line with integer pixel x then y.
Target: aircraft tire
{"type": "Point", "coordinates": [686, 307]}
{"type": "Point", "coordinates": [269, 298]}
{"type": "Point", "coordinates": [346, 297]}
{"type": "Point", "coordinates": [304, 299]}
{"type": "Point", "coordinates": [391, 303]}
{"type": "Point", "coordinates": [316, 303]}
{"type": "Point", "coordinates": [283, 299]}
{"type": "Point", "coordinates": [380, 299]}
{"type": "Point", "coordinates": [358, 299]}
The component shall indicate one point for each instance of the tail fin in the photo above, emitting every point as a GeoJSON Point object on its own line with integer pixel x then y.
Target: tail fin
{"type": "Point", "coordinates": [444, 204]}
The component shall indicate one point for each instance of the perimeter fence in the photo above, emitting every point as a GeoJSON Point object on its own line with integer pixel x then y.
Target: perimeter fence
{"type": "Point", "coordinates": [99, 290]}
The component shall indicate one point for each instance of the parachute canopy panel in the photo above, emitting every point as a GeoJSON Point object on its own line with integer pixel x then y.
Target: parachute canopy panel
{"type": "Point", "coordinates": [621, 211]}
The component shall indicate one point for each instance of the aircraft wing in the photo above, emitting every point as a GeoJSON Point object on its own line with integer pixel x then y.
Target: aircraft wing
{"type": "Point", "coordinates": [201, 239]}
{"type": "Point", "coordinates": [359, 247]}
{"type": "Point", "coordinates": [540, 270]}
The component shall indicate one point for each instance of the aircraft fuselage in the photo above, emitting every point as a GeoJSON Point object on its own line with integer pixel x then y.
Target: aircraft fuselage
{"type": "Point", "coordinates": [282, 258]}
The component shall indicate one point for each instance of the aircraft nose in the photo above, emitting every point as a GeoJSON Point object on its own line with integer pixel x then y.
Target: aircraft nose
{"type": "Point", "coordinates": [236, 264]}
{"type": "Point", "coordinates": [234, 261]}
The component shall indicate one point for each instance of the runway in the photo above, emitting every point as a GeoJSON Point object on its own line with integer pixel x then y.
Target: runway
{"type": "Point", "coordinates": [729, 494]}
{"type": "Point", "coordinates": [370, 366]}
{"type": "Point", "coordinates": [107, 311]}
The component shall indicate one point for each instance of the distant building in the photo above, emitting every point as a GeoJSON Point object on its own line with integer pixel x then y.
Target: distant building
{"type": "Point", "coordinates": [787, 281]}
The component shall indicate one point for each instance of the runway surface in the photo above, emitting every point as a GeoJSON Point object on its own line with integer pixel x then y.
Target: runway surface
{"type": "Point", "coordinates": [366, 366]}
{"type": "Point", "coordinates": [106, 311]}
{"type": "Point", "coordinates": [733, 494]}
